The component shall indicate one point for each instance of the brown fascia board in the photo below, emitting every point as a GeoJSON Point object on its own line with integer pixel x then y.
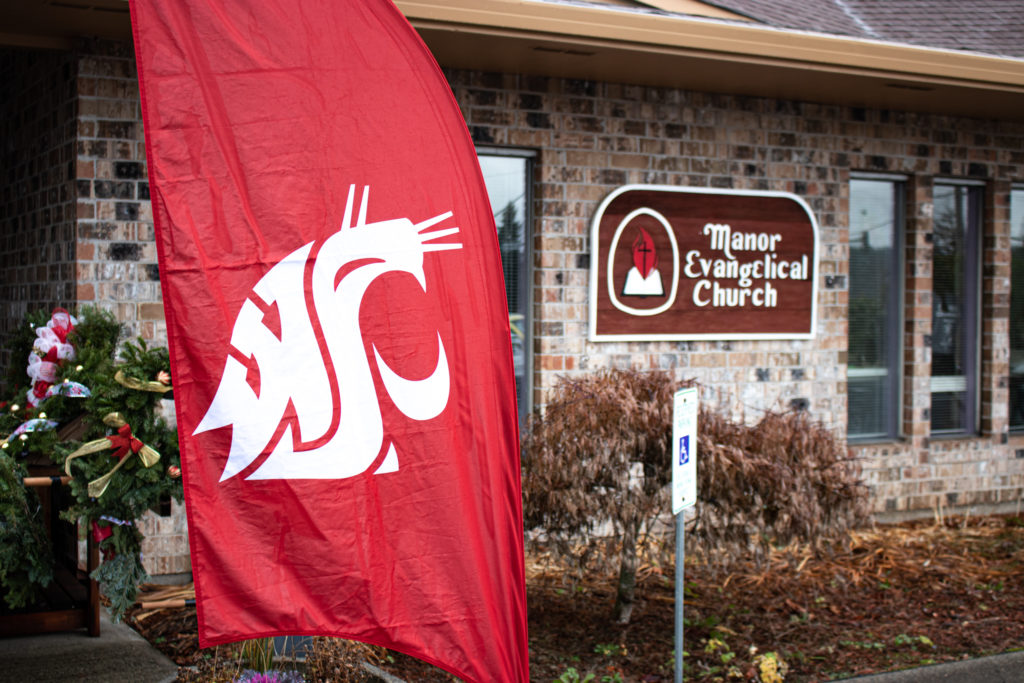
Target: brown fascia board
{"type": "Point", "coordinates": [609, 44]}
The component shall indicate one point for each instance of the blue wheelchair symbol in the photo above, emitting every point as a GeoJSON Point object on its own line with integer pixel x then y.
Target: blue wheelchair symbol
{"type": "Point", "coordinates": [684, 449]}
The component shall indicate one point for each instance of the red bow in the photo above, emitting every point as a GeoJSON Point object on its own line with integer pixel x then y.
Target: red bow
{"type": "Point", "coordinates": [123, 442]}
{"type": "Point", "coordinates": [101, 533]}
{"type": "Point", "coordinates": [40, 388]}
{"type": "Point", "coordinates": [61, 326]}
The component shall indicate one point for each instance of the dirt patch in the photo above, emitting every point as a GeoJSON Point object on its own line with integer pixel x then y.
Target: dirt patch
{"type": "Point", "coordinates": [886, 598]}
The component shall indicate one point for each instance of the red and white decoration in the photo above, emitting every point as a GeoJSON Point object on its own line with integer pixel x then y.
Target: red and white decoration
{"type": "Point", "coordinates": [50, 348]}
{"type": "Point", "coordinates": [338, 332]}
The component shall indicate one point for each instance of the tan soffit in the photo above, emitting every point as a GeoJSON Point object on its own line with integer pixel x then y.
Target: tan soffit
{"type": "Point", "coordinates": [694, 7]}
{"type": "Point", "coordinates": [610, 44]}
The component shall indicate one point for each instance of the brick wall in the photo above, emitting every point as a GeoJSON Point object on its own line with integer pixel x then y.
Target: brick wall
{"type": "Point", "coordinates": [116, 248]}
{"type": "Point", "coordinates": [592, 137]}
{"type": "Point", "coordinates": [117, 264]}
{"type": "Point", "coordinates": [37, 211]}
{"type": "Point", "coordinates": [75, 220]}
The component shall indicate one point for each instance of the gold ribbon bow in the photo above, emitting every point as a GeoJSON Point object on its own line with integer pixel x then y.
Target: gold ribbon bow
{"type": "Point", "coordinates": [139, 385]}
{"type": "Point", "coordinates": [124, 444]}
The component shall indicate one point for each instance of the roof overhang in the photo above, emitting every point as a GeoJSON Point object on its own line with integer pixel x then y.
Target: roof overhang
{"type": "Point", "coordinates": [645, 48]}
{"type": "Point", "coordinates": [623, 45]}
{"type": "Point", "coordinates": [54, 24]}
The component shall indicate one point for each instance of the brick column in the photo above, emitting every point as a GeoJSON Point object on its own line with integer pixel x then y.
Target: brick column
{"type": "Point", "coordinates": [117, 264]}
{"type": "Point", "coordinates": [116, 248]}
{"type": "Point", "coordinates": [995, 333]}
{"type": "Point", "coordinates": [917, 354]}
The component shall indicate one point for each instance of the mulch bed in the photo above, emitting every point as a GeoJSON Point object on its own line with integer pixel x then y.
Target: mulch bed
{"type": "Point", "coordinates": [885, 598]}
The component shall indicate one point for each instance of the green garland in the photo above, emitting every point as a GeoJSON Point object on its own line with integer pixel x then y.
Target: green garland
{"type": "Point", "coordinates": [133, 488]}
{"type": "Point", "coordinates": [26, 563]}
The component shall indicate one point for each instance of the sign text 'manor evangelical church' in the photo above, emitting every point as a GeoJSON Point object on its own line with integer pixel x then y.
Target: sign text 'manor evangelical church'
{"type": "Point", "coordinates": [674, 263]}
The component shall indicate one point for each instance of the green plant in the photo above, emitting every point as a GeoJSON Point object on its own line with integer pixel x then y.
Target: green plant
{"type": "Point", "coordinates": [135, 487]}
{"type": "Point", "coordinates": [571, 675]}
{"type": "Point", "coordinates": [26, 564]}
{"type": "Point", "coordinates": [113, 482]}
{"type": "Point", "coordinates": [258, 653]}
{"type": "Point", "coordinates": [610, 649]}
{"type": "Point", "coordinates": [913, 641]}
{"type": "Point", "coordinates": [863, 644]}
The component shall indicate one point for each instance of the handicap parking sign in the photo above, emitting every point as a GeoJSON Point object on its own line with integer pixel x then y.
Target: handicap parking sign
{"type": "Point", "coordinates": [684, 443]}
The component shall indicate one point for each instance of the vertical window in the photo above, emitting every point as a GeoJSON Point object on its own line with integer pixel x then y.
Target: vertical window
{"type": "Point", "coordinates": [1017, 309]}
{"type": "Point", "coordinates": [875, 324]}
{"type": "Point", "coordinates": [956, 304]}
{"type": "Point", "coordinates": [507, 176]}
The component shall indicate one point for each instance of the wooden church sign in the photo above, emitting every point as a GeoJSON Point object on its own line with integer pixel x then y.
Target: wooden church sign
{"type": "Point", "coordinates": [675, 263]}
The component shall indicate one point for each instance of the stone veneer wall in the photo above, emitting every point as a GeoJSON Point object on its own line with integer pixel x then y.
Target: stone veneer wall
{"type": "Point", "coordinates": [591, 137]}
{"type": "Point", "coordinates": [37, 211]}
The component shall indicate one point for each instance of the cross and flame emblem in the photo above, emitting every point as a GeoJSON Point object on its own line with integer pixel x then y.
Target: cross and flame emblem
{"type": "Point", "coordinates": [643, 279]}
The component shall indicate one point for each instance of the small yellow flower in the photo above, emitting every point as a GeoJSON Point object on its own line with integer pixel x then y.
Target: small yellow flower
{"type": "Point", "coordinates": [771, 669]}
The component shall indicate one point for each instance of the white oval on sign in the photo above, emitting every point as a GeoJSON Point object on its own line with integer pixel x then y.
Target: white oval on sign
{"type": "Point", "coordinates": [611, 264]}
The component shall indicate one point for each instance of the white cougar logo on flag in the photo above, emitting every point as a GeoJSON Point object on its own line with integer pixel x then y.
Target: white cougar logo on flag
{"type": "Point", "coordinates": [316, 402]}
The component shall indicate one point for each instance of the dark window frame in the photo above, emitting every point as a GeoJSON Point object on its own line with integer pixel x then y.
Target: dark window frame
{"type": "Point", "coordinates": [971, 318]}
{"type": "Point", "coordinates": [1018, 295]}
{"type": "Point", "coordinates": [525, 290]}
{"type": "Point", "coordinates": [893, 423]}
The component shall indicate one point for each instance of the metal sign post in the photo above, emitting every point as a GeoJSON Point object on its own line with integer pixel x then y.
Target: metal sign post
{"type": "Point", "coordinates": [684, 495]}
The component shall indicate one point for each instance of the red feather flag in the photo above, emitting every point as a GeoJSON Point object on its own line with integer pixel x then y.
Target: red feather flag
{"type": "Point", "coordinates": [338, 332]}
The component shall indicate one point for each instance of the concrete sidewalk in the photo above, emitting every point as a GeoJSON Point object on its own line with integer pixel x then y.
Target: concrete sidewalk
{"type": "Point", "coordinates": [119, 655]}
{"type": "Point", "coordinates": [1006, 668]}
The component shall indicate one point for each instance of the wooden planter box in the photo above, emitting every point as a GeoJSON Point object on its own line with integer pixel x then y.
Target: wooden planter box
{"type": "Point", "coordinates": [72, 600]}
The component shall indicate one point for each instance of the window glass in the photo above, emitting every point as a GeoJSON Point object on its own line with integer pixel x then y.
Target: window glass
{"type": "Point", "coordinates": [1017, 309]}
{"type": "Point", "coordinates": [955, 306]}
{"type": "Point", "coordinates": [507, 180]}
{"type": "Point", "coordinates": [873, 370]}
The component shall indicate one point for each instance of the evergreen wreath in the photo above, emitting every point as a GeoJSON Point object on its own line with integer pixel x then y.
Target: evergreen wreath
{"type": "Point", "coordinates": [102, 422]}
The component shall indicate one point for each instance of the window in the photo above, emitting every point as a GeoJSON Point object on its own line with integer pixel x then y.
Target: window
{"type": "Point", "coordinates": [1017, 309]}
{"type": "Point", "coordinates": [873, 369]}
{"type": "Point", "coordinates": [507, 176]}
{"type": "Point", "coordinates": [956, 303]}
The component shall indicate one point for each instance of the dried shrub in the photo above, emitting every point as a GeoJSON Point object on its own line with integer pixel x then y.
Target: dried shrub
{"type": "Point", "coordinates": [327, 660]}
{"type": "Point", "coordinates": [596, 469]}
{"type": "Point", "coordinates": [335, 660]}
{"type": "Point", "coordinates": [598, 458]}
{"type": "Point", "coordinates": [786, 478]}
